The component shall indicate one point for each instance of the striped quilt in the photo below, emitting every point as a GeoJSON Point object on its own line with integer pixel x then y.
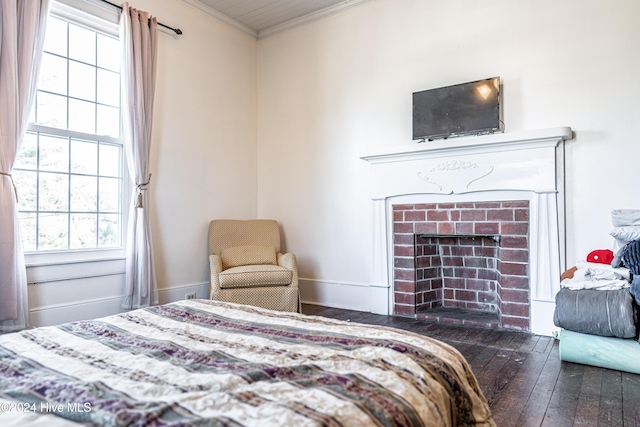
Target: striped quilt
{"type": "Point", "coordinates": [207, 363]}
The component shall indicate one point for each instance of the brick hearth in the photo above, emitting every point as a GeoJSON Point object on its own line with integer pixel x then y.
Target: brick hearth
{"type": "Point", "coordinates": [456, 266]}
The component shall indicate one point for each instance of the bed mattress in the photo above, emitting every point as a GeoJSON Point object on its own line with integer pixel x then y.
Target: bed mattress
{"type": "Point", "coordinates": [209, 363]}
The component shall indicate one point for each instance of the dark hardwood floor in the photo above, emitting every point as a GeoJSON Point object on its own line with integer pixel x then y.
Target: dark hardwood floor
{"type": "Point", "coordinates": [522, 376]}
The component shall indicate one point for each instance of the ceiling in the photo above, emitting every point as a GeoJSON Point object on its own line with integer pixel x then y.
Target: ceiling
{"type": "Point", "coordinates": [263, 17]}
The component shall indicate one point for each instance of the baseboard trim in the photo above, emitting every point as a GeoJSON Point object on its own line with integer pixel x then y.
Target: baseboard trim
{"type": "Point", "coordinates": [350, 296]}
{"type": "Point", "coordinates": [93, 308]}
{"type": "Point", "coordinates": [345, 295]}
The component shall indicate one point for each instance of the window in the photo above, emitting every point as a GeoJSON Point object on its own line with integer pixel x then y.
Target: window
{"type": "Point", "coordinates": [70, 172]}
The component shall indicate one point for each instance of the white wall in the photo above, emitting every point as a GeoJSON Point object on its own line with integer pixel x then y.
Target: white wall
{"type": "Point", "coordinates": [204, 137]}
{"type": "Point", "coordinates": [336, 88]}
{"type": "Point", "coordinates": [203, 161]}
{"type": "Point", "coordinates": [331, 90]}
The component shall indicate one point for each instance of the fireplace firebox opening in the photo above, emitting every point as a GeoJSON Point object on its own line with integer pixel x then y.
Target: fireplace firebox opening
{"type": "Point", "coordinates": [463, 263]}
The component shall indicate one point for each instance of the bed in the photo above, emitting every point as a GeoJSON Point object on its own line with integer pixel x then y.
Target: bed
{"type": "Point", "coordinates": [201, 362]}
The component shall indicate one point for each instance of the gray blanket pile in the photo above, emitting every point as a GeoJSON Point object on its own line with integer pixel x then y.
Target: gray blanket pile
{"type": "Point", "coordinates": [608, 313]}
{"type": "Point", "coordinates": [596, 312]}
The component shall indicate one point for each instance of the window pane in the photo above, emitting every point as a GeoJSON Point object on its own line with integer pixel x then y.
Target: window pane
{"type": "Point", "coordinates": [28, 155]}
{"type": "Point", "coordinates": [53, 192]}
{"type": "Point", "coordinates": [52, 231]}
{"type": "Point", "coordinates": [109, 195]}
{"type": "Point", "coordinates": [108, 121]}
{"type": "Point", "coordinates": [84, 193]}
{"type": "Point", "coordinates": [108, 53]}
{"type": "Point", "coordinates": [54, 154]}
{"type": "Point", "coordinates": [51, 110]}
{"type": "Point", "coordinates": [71, 189]}
{"type": "Point", "coordinates": [110, 160]}
{"type": "Point", "coordinates": [28, 231]}
{"type": "Point", "coordinates": [108, 88]}
{"type": "Point", "coordinates": [82, 233]}
{"type": "Point", "coordinates": [82, 44]}
{"type": "Point", "coordinates": [27, 184]}
{"type": "Point", "coordinates": [82, 81]}
{"type": "Point", "coordinates": [109, 230]}
{"type": "Point", "coordinates": [55, 40]}
{"type": "Point", "coordinates": [84, 157]}
{"type": "Point", "coordinates": [82, 116]}
{"type": "Point", "coordinates": [53, 74]}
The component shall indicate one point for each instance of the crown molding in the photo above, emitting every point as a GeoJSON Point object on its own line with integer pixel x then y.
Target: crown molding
{"type": "Point", "coordinates": [207, 10]}
{"type": "Point", "coordinates": [220, 17]}
{"type": "Point", "coordinates": [332, 10]}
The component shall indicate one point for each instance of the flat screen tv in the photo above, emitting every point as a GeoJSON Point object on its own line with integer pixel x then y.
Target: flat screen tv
{"type": "Point", "coordinates": [464, 109]}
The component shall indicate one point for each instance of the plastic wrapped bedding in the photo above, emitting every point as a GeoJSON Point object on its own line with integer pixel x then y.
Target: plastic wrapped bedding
{"type": "Point", "coordinates": [596, 312]}
{"type": "Point", "coordinates": [605, 352]}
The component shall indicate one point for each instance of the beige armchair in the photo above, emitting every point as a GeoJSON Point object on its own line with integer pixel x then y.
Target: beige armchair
{"type": "Point", "coordinates": [248, 268]}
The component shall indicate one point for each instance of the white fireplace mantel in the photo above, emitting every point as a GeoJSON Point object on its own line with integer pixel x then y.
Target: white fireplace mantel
{"type": "Point", "coordinates": [525, 165]}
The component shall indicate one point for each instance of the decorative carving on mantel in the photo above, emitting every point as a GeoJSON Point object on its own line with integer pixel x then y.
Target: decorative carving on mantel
{"type": "Point", "coordinates": [426, 179]}
{"type": "Point", "coordinates": [458, 183]}
{"type": "Point", "coordinates": [454, 165]}
{"type": "Point", "coordinates": [491, 169]}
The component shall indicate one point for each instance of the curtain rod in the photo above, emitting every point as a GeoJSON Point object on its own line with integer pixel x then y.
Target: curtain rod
{"type": "Point", "coordinates": [178, 31]}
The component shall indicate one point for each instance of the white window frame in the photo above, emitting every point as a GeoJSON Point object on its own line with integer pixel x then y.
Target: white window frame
{"type": "Point", "coordinates": [103, 18]}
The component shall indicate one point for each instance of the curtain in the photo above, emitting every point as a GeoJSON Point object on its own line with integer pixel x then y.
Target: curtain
{"type": "Point", "coordinates": [22, 28]}
{"type": "Point", "coordinates": [138, 39]}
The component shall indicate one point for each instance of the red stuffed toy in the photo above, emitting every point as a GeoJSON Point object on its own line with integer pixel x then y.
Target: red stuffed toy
{"type": "Point", "coordinates": [601, 256]}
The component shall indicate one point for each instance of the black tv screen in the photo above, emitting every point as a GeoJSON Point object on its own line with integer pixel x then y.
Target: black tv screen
{"type": "Point", "coordinates": [464, 109]}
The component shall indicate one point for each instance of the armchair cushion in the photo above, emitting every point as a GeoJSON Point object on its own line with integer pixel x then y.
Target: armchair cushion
{"type": "Point", "coordinates": [255, 275]}
{"type": "Point", "coordinates": [237, 256]}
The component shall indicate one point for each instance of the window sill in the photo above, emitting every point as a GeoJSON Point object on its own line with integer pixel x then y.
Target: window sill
{"type": "Point", "coordinates": [50, 258]}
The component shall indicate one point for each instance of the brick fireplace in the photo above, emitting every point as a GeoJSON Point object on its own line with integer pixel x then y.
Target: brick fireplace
{"type": "Point", "coordinates": [471, 256]}
{"type": "Point", "coordinates": [473, 223]}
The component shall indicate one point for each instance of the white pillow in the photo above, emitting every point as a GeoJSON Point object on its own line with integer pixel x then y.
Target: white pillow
{"type": "Point", "coordinates": [626, 234]}
{"type": "Point", "coordinates": [625, 217]}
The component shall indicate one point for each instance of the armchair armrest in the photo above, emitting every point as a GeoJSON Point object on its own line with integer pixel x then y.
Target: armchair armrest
{"type": "Point", "coordinates": [288, 261]}
{"type": "Point", "coordinates": [215, 263]}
